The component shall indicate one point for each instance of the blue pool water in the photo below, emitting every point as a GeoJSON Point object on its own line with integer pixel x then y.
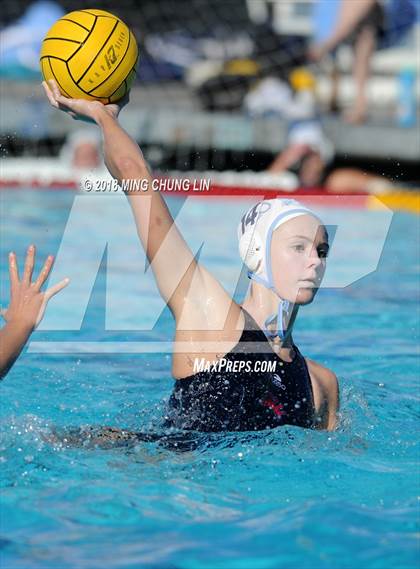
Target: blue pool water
{"type": "Point", "coordinates": [277, 499]}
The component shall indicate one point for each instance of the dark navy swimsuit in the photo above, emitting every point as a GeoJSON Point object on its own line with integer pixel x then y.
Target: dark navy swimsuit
{"type": "Point", "coordinates": [212, 401]}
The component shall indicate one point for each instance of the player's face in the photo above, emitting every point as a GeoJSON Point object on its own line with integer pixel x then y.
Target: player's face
{"type": "Point", "coordinates": [298, 258]}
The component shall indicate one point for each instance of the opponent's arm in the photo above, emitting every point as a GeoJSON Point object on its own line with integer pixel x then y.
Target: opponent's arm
{"type": "Point", "coordinates": [12, 339]}
{"type": "Point", "coordinates": [26, 309]}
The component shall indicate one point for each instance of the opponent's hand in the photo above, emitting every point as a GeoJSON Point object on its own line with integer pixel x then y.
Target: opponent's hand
{"type": "Point", "coordinates": [81, 109]}
{"type": "Point", "coordinates": [27, 302]}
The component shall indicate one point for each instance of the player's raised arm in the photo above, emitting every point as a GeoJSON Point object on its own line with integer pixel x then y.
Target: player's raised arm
{"type": "Point", "coordinates": [171, 259]}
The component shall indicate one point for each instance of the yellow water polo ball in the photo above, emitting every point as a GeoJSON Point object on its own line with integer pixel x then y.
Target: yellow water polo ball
{"type": "Point", "coordinates": [91, 54]}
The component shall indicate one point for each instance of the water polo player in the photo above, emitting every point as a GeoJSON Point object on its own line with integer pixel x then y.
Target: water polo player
{"type": "Point", "coordinates": [252, 375]}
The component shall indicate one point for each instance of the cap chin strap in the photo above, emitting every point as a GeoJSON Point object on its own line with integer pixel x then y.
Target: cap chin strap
{"type": "Point", "coordinates": [282, 308]}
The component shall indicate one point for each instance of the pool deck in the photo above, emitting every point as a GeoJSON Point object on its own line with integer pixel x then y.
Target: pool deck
{"type": "Point", "coordinates": [169, 115]}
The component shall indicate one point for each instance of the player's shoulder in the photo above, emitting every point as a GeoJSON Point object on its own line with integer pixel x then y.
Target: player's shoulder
{"type": "Point", "coordinates": [326, 389]}
{"type": "Point", "coordinates": [323, 375]}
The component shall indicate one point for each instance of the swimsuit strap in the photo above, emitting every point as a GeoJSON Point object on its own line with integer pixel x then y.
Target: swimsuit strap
{"type": "Point", "coordinates": [251, 329]}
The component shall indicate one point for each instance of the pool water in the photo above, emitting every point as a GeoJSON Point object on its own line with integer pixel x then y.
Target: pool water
{"type": "Point", "coordinates": [268, 500]}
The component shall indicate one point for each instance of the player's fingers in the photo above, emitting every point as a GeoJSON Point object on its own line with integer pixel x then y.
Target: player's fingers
{"type": "Point", "coordinates": [29, 265]}
{"type": "Point", "coordinates": [49, 94]}
{"type": "Point", "coordinates": [56, 288]}
{"type": "Point", "coordinates": [13, 271]}
{"type": "Point", "coordinates": [61, 102]}
{"type": "Point", "coordinates": [54, 88]}
{"type": "Point", "coordinates": [45, 271]}
{"type": "Point", "coordinates": [66, 104]}
{"type": "Point", "coordinates": [73, 115]}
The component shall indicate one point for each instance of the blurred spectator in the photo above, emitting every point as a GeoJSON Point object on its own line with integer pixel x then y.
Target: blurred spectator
{"type": "Point", "coordinates": [294, 100]}
{"type": "Point", "coordinates": [360, 23]}
{"type": "Point", "coordinates": [268, 96]}
{"type": "Point", "coordinates": [20, 43]}
{"type": "Point", "coordinates": [310, 162]}
{"type": "Point", "coordinates": [309, 153]}
{"type": "Point", "coordinates": [308, 150]}
{"type": "Point", "coordinates": [82, 150]}
{"type": "Point", "coordinates": [366, 24]}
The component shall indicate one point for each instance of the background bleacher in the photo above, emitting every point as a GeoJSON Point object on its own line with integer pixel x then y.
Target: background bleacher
{"type": "Point", "coordinates": [168, 113]}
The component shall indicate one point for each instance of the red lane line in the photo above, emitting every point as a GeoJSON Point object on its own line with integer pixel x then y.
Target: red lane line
{"type": "Point", "coordinates": [217, 190]}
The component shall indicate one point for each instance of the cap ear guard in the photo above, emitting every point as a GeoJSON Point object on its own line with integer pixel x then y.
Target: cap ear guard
{"type": "Point", "coordinates": [251, 250]}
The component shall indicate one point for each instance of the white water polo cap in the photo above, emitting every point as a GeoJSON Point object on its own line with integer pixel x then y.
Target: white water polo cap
{"type": "Point", "coordinates": [255, 232]}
